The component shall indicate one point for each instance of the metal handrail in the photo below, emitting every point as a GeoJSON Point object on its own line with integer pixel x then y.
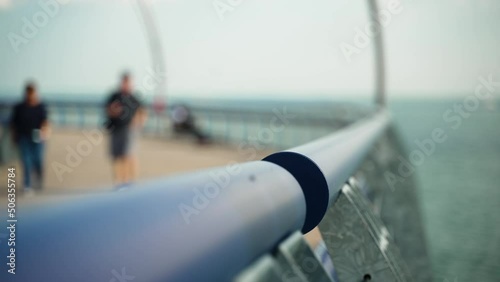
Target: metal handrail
{"type": "Point", "coordinates": [323, 166]}
{"type": "Point", "coordinates": [189, 227]}
{"type": "Point", "coordinates": [185, 228]}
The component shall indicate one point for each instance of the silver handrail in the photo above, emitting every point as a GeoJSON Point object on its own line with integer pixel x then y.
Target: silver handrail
{"type": "Point", "coordinates": [323, 166]}
{"type": "Point", "coordinates": [203, 226]}
{"type": "Point", "coordinates": [190, 227]}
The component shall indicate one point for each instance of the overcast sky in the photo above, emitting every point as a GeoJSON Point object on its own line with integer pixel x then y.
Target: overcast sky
{"type": "Point", "coordinates": [262, 48]}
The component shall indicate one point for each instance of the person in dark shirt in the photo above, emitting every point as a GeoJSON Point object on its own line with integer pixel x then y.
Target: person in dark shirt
{"type": "Point", "coordinates": [30, 128]}
{"type": "Point", "coordinates": [125, 117]}
{"type": "Point", "coordinates": [184, 122]}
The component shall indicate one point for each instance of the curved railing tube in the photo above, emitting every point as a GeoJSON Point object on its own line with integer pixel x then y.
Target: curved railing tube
{"type": "Point", "coordinates": [190, 227]}
{"type": "Point", "coordinates": [322, 167]}
{"type": "Point", "coordinates": [155, 45]}
{"type": "Point", "coordinates": [379, 55]}
{"type": "Point", "coordinates": [204, 226]}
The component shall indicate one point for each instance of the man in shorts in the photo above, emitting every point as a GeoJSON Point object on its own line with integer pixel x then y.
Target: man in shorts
{"type": "Point", "coordinates": [125, 118]}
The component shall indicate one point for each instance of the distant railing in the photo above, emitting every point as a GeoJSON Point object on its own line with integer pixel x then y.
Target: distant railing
{"type": "Point", "coordinates": [223, 124]}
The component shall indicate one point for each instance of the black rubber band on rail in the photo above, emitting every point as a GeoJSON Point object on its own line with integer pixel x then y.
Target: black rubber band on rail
{"type": "Point", "coordinates": [311, 180]}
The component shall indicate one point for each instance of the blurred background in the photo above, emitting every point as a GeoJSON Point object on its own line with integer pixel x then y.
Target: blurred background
{"type": "Point", "coordinates": [235, 62]}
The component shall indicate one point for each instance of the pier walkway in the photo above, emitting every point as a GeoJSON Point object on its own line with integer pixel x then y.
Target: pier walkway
{"type": "Point", "coordinates": [77, 161]}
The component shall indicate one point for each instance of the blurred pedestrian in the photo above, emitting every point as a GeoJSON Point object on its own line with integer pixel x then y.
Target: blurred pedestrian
{"type": "Point", "coordinates": [184, 123]}
{"type": "Point", "coordinates": [126, 117]}
{"type": "Point", "coordinates": [30, 129]}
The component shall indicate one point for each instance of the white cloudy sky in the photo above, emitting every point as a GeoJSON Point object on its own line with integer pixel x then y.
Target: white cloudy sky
{"type": "Point", "coordinates": [283, 48]}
